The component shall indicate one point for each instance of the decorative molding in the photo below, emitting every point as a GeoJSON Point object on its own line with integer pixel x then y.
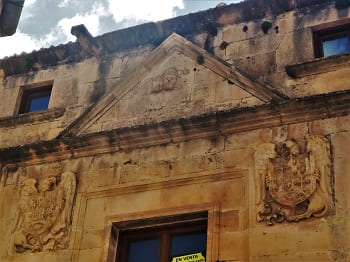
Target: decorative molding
{"type": "Point", "coordinates": [207, 211]}
{"type": "Point", "coordinates": [212, 208]}
{"type": "Point", "coordinates": [173, 131]}
{"type": "Point", "coordinates": [43, 216]}
{"type": "Point", "coordinates": [33, 117]}
{"type": "Point", "coordinates": [173, 44]}
{"type": "Point", "coordinates": [204, 177]}
{"type": "Point", "coordinates": [318, 66]}
{"type": "Point", "coordinates": [293, 184]}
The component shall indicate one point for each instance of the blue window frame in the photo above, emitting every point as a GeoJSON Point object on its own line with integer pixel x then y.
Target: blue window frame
{"type": "Point", "coordinates": [162, 244]}
{"type": "Point", "coordinates": [332, 41]}
{"type": "Point", "coordinates": [336, 46]}
{"type": "Point", "coordinates": [35, 99]}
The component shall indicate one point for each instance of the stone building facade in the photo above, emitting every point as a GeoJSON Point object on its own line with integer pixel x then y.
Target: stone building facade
{"type": "Point", "coordinates": [232, 122]}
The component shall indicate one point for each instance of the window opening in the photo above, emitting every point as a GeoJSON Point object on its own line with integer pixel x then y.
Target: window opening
{"type": "Point", "coordinates": [35, 99]}
{"type": "Point", "coordinates": [332, 41]}
{"type": "Point", "coordinates": [163, 243]}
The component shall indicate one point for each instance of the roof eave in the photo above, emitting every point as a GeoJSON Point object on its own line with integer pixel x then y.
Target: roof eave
{"type": "Point", "coordinates": [10, 12]}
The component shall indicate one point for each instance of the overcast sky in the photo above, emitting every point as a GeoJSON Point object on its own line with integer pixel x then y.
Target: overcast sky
{"type": "Point", "coordinates": [48, 22]}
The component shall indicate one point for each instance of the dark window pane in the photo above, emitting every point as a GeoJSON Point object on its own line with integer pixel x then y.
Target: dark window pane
{"type": "Point", "coordinates": [336, 46]}
{"type": "Point", "coordinates": [39, 103]}
{"type": "Point", "coordinates": [188, 244]}
{"type": "Point", "coordinates": [143, 250]}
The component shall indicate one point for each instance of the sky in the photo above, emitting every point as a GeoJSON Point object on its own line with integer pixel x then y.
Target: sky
{"type": "Point", "coordinates": [44, 23]}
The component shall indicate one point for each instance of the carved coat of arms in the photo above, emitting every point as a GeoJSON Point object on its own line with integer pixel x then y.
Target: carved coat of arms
{"type": "Point", "coordinates": [44, 213]}
{"type": "Point", "coordinates": [293, 184]}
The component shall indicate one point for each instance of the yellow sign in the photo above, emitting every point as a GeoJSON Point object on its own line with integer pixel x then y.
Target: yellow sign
{"type": "Point", "coordinates": [198, 257]}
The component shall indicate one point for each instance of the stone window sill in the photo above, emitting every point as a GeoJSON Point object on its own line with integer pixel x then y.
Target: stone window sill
{"type": "Point", "coordinates": [44, 115]}
{"type": "Point", "coordinates": [319, 65]}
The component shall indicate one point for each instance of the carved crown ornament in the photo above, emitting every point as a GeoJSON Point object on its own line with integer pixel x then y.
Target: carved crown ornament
{"type": "Point", "coordinates": [293, 184]}
{"type": "Point", "coordinates": [43, 216]}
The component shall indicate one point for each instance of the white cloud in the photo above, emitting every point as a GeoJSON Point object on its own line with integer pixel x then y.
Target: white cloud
{"type": "Point", "coordinates": [150, 10]}
{"type": "Point", "coordinates": [29, 2]}
{"type": "Point", "coordinates": [126, 11]}
{"type": "Point", "coordinates": [17, 44]}
{"type": "Point", "coordinates": [64, 3]}
{"type": "Point", "coordinates": [20, 42]}
{"type": "Point", "coordinates": [91, 22]}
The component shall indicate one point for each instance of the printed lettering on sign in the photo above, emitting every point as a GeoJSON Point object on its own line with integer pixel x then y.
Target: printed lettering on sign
{"type": "Point", "coordinates": [197, 257]}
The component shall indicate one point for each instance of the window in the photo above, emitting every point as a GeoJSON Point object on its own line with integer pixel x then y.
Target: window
{"type": "Point", "coordinates": [332, 41]}
{"type": "Point", "coordinates": [163, 243]}
{"type": "Point", "coordinates": [35, 99]}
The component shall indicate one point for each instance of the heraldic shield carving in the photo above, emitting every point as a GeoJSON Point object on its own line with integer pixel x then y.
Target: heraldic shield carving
{"type": "Point", "coordinates": [293, 184]}
{"type": "Point", "coordinates": [44, 213]}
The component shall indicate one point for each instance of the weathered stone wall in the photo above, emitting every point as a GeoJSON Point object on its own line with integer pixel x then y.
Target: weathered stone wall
{"type": "Point", "coordinates": [289, 41]}
{"type": "Point", "coordinates": [262, 56]}
{"type": "Point", "coordinates": [217, 174]}
{"type": "Point", "coordinates": [75, 87]}
{"type": "Point", "coordinates": [178, 87]}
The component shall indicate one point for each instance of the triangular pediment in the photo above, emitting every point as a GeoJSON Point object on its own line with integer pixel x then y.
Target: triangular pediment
{"type": "Point", "coordinates": [178, 79]}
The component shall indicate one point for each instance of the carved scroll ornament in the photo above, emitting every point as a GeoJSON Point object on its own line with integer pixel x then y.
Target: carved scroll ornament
{"type": "Point", "coordinates": [293, 184]}
{"type": "Point", "coordinates": [44, 214]}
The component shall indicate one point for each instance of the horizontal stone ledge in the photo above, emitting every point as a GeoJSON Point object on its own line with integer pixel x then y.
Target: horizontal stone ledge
{"type": "Point", "coordinates": [33, 117]}
{"type": "Point", "coordinates": [178, 130]}
{"type": "Point", "coordinates": [319, 65]}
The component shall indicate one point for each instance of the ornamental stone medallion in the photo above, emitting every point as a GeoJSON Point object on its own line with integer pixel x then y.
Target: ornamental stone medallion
{"type": "Point", "coordinates": [170, 79]}
{"type": "Point", "coordinates": [293, 184]}
{"type": "Point", "coordinates": [44, 213]}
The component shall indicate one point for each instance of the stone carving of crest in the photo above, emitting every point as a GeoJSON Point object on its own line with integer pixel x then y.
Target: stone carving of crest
{"type": "Point", "coordinates": [170, 79]}
{"type": "Point", "coordinates": [293, 184]}
{"type": "Point", "coordinates": [44, 213]}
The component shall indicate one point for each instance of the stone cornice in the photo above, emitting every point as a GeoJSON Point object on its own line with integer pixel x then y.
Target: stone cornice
{"type": "Point", "coordinates": [318, 66]}
{"type": "Point", "coordinates": [173, 131]}
{"type": "Point", "coordinates": [40, 116]}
